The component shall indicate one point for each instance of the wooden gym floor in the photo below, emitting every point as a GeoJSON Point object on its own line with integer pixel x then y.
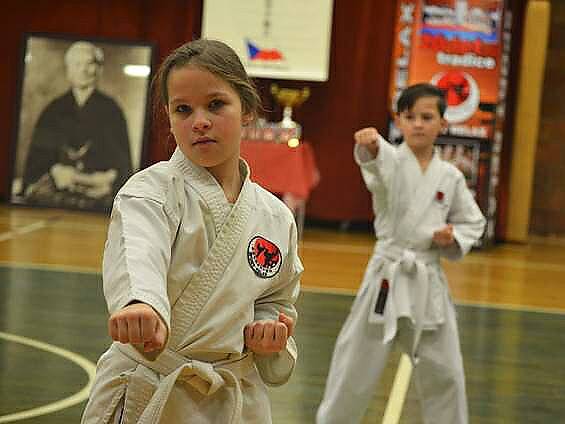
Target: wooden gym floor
{"type": "Point", "coordinates": [510, 302]}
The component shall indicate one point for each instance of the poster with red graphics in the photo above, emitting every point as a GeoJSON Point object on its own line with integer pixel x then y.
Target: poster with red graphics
{"type": "Point", "coordinates": [456, 45]}
{"type": "Point", "coordinates": [463, 47]}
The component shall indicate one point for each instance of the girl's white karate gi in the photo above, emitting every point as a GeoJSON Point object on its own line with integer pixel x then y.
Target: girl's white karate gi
{"type": "Point", "coordinates": [409, 206]}
{"type": "Point", "coordinates": [208, 268]}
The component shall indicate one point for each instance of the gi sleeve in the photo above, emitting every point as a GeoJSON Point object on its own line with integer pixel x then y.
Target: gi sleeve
{"type": "Point", "coordinates": [467, 220]}
{"type": "Point", "coordinates": [137, 254]}
{"type": "Point", "coordinates": [276, 369]}
{"type": "Point", "coordinates": [377, 171]}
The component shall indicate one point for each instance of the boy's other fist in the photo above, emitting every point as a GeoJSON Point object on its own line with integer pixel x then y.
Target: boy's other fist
{"type": "Point", "coordinates": [368, 137]}
{"type": "Point", "coordinates": [444, 237]}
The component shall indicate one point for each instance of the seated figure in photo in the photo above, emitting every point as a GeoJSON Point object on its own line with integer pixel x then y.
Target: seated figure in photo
{"type": "Point", "coordinates": [79, 154]}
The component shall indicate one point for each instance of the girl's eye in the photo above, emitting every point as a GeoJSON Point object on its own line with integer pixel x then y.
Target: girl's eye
{"type": "Point", "coordinates": [216, 104]}
{"type": "Point", "coordinates": [182, 109]}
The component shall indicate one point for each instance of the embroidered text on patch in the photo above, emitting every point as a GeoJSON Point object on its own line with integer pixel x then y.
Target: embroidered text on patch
{"type": "Point", "coordinates": [264, 257]}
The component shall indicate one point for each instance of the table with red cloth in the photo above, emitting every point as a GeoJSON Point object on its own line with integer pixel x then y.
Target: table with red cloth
{"type": "Point", "coordinates": [282, 169]}
{"type": "Point", "coordinates": [288, 171]}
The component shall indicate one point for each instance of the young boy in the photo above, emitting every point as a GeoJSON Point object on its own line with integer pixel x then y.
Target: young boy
{"type": "Point", "coordinates": [423, 210]}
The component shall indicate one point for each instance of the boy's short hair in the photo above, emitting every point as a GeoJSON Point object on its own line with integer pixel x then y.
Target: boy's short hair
{"type": "Point", "coordinates": [414, 92]}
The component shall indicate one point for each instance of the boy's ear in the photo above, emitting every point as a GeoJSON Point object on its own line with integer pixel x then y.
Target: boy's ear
{"type": "Point", "coordinates": [444, 125]}
{"type": "Point", "coordinates": [247, 118]}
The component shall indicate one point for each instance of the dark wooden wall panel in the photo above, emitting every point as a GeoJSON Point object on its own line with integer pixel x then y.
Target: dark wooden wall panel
{"type": "Point", "coordinates": [122, 19]}
{"type": "Point", "coordinates": [548, 200]}
{"type": "Point", "coordinates": [354, 96]}
{"type": "Point", "coordinates": [358, 97]}
{"type": "Point", "coordinates": [80, 18]}
{"type": "Point", "coordinates": [518, 8]}
{"type": "Point", "coordinates": [166, 23]}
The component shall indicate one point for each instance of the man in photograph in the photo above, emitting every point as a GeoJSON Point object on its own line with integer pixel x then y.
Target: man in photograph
{"type": "Point", "coordinates": [79, 154]}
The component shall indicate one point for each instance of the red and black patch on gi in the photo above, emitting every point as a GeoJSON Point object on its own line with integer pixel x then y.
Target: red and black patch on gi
{"type": "Point", "coordinates": [264, 257]}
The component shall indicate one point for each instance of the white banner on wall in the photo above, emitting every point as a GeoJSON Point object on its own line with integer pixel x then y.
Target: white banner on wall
{"type": "Point", "coordinates": [275, 39]}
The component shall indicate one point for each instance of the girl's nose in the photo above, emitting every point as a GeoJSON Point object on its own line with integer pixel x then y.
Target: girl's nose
{"type": "Point", "coordinates": [201, 123]}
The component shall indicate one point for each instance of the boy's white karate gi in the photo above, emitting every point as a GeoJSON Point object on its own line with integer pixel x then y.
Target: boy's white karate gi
{"type": "Point", "coordinates": [208, 268]}
{"type": "Point", "coordinates": [409, 206]}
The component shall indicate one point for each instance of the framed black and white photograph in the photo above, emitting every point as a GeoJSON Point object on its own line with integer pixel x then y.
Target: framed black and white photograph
{"type": "Point", "coordinates": [82, 120]}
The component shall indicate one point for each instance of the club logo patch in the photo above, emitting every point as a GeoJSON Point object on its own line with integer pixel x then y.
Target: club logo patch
{"type": "Point", "coordinates": [264, 257]}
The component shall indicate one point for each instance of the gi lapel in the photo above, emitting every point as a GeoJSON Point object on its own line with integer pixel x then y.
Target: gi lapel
{"type": "Point", "coordinates": [203, 283]}
{"type": "Point", "coordinates": [423, 196]}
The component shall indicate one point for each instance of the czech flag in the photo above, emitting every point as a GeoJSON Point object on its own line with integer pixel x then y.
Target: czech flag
{"type": "Point", "coordinates": [257, 53]}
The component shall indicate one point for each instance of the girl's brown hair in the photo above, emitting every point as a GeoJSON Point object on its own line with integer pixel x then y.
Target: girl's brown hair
{"type": "Point", "coordinates": [215, 57]}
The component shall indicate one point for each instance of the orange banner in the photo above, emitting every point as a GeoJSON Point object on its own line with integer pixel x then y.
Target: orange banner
{"type": "Point", "coordinates": [456, 45]}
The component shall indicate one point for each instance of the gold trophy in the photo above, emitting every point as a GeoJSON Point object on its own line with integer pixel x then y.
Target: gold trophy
{"type": "Point", "coordinates": [289, 98]}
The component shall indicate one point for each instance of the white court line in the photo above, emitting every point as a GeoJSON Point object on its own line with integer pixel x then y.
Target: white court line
{"type": "Point", "coordinates": [50, 267]}
{"type": "Point", "coordinates": [473, 258]}
{"type": "Point", "coordinates": [473, 304]}
{"type": "Point", "coordinates": [8, 235]}
{"type": "Point", "coordinates": [397, 396]}
{"type": "Point", "coordinates": [395, 403]}
{"type": "Point", "coordinates": [398, 392]}
{"type": "Point", "coordinates": [512, 307]}
{"type": "Point", "coordinates": [332, 247]}
{"type": "Point", "coordinates": [78, 397]}
{"type": "Point", "coordinates": [401, 382]}
{"type": "Point", "coordinates": [328, 290]}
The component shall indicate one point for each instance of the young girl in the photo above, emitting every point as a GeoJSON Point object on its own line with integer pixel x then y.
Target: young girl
{"type": "Point", "coordinates": [200, 269]}
{"type": "Point", "coordinates": [423, 210]}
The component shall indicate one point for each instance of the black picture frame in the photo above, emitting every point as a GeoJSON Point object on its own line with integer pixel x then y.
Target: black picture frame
{"type": "Point", "coordinates": [473, 157]}
{"type": "Point", "coordinates": [76, 157]}
{"type": "Point", "coordinates": [465, 154]}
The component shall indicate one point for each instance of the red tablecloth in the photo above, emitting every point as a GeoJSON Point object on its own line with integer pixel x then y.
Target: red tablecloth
{"type": "Point", "coordinates": [282, 169]}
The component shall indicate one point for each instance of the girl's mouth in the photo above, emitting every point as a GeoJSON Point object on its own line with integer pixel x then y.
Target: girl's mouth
{"type": "Point", "coordinates": [203, 140]}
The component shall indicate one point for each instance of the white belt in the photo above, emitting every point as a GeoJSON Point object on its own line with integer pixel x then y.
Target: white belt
{"type": "Point", "coordinates": [405, 260]}
{"type": "Point", "coordinates": [205, 377]}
